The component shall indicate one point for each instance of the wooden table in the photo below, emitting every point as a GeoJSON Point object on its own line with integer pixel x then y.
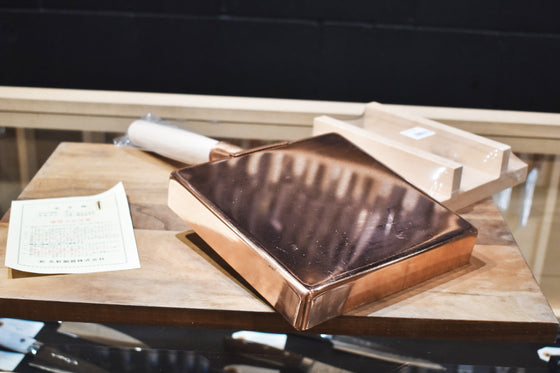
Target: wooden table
{"type": "Point", "coordinates": [495, 297]}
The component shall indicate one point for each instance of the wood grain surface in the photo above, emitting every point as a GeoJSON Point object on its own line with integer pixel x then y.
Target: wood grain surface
{"type": "Point", "coordinates": [182, 282]}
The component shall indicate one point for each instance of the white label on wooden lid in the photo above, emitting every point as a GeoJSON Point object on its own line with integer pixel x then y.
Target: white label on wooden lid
{"type": "Point", "coordinates": [417, 133]}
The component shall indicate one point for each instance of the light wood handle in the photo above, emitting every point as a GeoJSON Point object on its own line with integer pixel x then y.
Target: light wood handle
{"type": "Point", "coordinates": [171, 141]}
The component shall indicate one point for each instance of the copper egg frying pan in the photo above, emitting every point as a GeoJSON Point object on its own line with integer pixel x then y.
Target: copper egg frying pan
{"type": "Point", "coordinates": [316, 226]}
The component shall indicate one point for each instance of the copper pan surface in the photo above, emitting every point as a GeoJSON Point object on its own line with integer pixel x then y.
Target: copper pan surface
{"type": "Point", "coordinates": [318, 227]}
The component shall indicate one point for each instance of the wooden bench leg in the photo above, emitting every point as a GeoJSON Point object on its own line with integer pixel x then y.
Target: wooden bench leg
{"type": "Point", "coordinates": [27, 154]}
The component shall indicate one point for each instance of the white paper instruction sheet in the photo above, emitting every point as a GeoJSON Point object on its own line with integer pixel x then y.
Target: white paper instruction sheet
{"type": "Point", "coordinates": [72, 234]}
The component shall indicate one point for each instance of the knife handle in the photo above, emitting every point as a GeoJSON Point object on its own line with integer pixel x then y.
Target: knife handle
{"type": "Point", "coordinates": [262, 352]}
{"type": "Point", "coordinates": [16, 342]}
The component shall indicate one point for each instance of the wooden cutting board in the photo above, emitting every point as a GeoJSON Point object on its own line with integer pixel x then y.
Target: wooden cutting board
{"type": "Point", "coordinates": [182, 282]}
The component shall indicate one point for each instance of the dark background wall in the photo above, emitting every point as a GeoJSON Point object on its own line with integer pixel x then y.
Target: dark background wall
{"type": "Point", "coordinates": [465, 53]}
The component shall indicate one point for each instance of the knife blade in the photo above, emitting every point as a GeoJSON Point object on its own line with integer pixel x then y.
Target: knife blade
{"type": "Point", "coordinates": [45, 357]}
{"type": "Point", "coordinates": [282, 358]}
{"type": "Point", "coordinates": [99, 333]}
{"type": "Point", "coordinates": [363, 347]}
{"type": "Point", "coordinates": [243, 368]}
{"type": "Point", "coordinates": [9, 361]}
{"type": "Point", "coordinates": [21, 326]}
{"type": "Point", "coordinates": [349, 344]}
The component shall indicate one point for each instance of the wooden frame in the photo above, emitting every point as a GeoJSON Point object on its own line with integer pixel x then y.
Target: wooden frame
{"type": "Point", "coordinates": [455, 167]}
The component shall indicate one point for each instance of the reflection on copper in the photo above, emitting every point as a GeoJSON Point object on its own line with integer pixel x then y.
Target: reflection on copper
{"type": "Point", "coordinates": [326, 213]}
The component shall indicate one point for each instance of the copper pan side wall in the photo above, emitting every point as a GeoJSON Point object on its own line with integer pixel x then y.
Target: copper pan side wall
{"type": "Point", "coordinates": [348, 294]}
{"type": "Point", "coordinates": [264, 275]}
{"type": "Point", "coordinates": [411, 271]}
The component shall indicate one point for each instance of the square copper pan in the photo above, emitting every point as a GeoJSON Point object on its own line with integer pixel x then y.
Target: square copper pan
{"type": "Point", "coordinates": [318, 227]}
